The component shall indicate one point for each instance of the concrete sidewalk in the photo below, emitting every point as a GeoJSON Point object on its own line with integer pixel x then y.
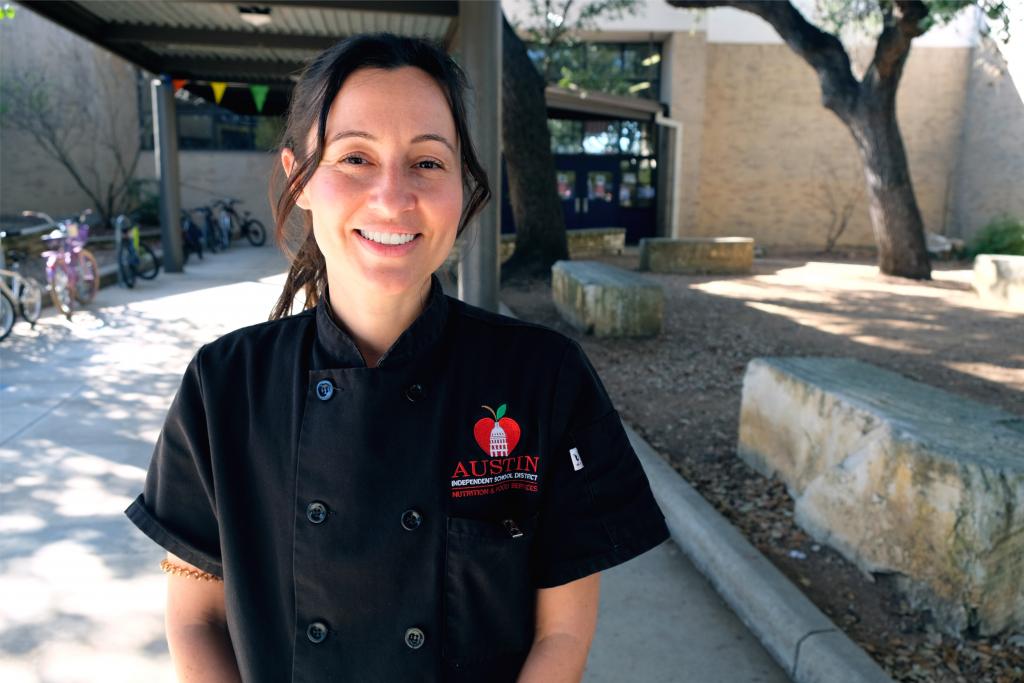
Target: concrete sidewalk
{"type": "Point", "coordinates": [81, 405]}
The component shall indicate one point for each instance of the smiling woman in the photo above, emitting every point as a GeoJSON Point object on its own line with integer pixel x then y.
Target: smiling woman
{"type": "Point", "coordinates": [337, 470]}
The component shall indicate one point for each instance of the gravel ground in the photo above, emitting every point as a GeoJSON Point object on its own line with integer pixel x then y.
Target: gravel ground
{"type": "Point", "coordinates": [682, 391]}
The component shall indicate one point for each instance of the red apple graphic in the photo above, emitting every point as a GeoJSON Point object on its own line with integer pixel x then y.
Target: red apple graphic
{"type": "Point", "coordinates": [499, 436]}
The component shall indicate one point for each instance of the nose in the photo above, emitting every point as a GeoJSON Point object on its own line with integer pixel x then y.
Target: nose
{"type": "Point", "coordinates": [392, 193]}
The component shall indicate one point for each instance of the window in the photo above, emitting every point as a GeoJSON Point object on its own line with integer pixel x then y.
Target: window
{"type": "Point", "coordinates": [571, 136]}
{"type": "Point", "coordinates": [631, 69]}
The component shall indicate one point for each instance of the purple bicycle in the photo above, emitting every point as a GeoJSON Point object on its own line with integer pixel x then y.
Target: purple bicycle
{"type": "Point", "coordinates": [72, 273]}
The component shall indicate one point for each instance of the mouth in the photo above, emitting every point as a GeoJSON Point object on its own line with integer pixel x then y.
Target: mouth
{"type": "Point", "coordinates": [388, 238]}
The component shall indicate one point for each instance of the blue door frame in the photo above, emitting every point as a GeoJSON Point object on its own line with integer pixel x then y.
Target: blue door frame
{"type": "Point", "coordinates": [590, 186]}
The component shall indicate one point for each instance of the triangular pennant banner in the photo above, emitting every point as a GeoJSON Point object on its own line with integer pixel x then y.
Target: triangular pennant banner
{"type": "Point", "coordinates": [218, 90]}
{"type": "Point", "coordinates": [178, 83]}
{"type": "Point", "coordinates": [259, 95]}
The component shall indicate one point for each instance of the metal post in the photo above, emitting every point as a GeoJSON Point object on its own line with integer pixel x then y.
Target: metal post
{"type": "Point", "coordinates": [165, 153]}
{"type": "Point", "coordinates": [480, 46]}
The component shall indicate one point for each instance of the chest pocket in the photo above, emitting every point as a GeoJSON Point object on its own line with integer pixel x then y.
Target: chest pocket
{"type": "Point", "coordinates": [489, 595]}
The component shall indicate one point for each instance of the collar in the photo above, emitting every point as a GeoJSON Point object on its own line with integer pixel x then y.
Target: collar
{"type": "Point", "coordinates": [334, 348]}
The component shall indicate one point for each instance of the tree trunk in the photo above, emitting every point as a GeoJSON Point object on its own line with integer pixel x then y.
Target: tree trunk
{"type": "Point", "coordinates": [895, 217]}
{"type": "Point", "coordinates": [526, 142]}
{"type": "Point", "coordinates": [868, 108]}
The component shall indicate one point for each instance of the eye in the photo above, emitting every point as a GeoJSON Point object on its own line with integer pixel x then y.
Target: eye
{"type": "Point", "coordinates": [437, 164]}
{"type": "Point", "coordinates": [354, 156]}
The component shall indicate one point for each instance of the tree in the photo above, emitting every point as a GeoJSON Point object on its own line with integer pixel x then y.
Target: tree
{"type": "Point", "coordinates": [526, 140]}
{"type": "Point", "coordinates": [868, 107]}
{"type": "Point", "coordinates": [78, 122]}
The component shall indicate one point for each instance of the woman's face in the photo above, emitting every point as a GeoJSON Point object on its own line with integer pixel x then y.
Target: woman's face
{"type": "Point", "coordinates": [387, 196]}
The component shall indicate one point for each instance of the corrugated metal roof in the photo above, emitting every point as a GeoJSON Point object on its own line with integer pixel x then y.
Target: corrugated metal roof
{"type": "Point", "coordinates": [298, 20]}
{"type": "Point", "coordinates": [207, 40]}
{"type": "Point", "coordinates": [147, 32]}
{"type": "Point", "coordinates": [261, 54]}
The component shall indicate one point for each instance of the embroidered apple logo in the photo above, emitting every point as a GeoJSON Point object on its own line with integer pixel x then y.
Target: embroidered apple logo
{"type": "Point", "coordinates": [499, 436]}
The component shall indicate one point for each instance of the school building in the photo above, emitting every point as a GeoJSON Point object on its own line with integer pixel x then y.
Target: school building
{"type": "Point", "coordinates": [716, 129]}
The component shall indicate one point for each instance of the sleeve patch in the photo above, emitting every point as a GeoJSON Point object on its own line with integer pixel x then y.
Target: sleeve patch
{"type": "Point", "coordinates": [577, 462]}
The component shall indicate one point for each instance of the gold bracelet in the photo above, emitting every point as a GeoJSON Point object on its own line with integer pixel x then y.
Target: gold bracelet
{"type": "Point", "coordinates": [172, 568]}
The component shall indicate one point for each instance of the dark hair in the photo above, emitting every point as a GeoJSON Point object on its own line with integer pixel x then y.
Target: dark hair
{"type": "Point", "coordinates": [310, 104]}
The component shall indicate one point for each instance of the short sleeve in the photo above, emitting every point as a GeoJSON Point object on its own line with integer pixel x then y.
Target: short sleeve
{"type": "Point", "coordinates": [177, 506]}
{"type": "Point", "coordinates": [598, 509]}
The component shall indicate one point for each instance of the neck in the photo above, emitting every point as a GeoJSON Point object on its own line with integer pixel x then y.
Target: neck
{"type": "Point", "coordinates": [374, 320]}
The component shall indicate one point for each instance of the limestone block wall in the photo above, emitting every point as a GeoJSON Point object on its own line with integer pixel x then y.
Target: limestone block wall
{"type": "Point", "coordinates": [767, 143]}
{"type": "Point", "coordinates": [991, 171]}
{"type": "Point", "coordinates": [99, 90]}
{"type": "Point", "coordinates": [209, 175]}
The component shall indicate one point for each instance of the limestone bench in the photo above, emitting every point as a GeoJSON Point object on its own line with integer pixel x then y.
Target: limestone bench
{"type": "Point", "coordinates": [899, 477]}
{"type": "Point", "coordinates": [1000, 278]}
{"type": "Point", "coordinates": [589, 242]}
{"type": "Point", "coordinates": [697, 255]}
{"type": "Point", "coordinates": [606, 301]}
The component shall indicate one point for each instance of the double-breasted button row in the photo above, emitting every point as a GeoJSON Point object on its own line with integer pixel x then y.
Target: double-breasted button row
{"type": "Point", "coordinates": [316, 632]}
{"type": "Point", "coordinates": [411, 519]}
{"type": "Point", "coordinates": [415, 638]}
{"type": "Point", "coordinates": [316, 512]}
{"type": "Point", "coordinates": [325, 389]}
{"type": "Point", "coordinates": [415, 392]}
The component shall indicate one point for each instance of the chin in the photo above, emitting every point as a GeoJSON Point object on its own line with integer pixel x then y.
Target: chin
{"type": "Point", "coordinates": [393, 281]}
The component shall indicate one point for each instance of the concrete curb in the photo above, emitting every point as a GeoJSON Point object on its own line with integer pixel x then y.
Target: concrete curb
{"type": "Point", "coordinates": [805, 642]}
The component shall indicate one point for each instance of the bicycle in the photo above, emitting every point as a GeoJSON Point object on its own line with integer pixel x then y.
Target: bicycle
{"type": "Point", "coordinates": [21, 289]}
{"type": "Point", "coordinates": [134, 257]}
{"type": "Point", "coordinates": [248, 227]}
{"type": "Point", "coordinates": [192, 237]}
{"type": "Point", "coordinates": [211, 230]}
{"type": "Point", "coordinates": [72, 273]}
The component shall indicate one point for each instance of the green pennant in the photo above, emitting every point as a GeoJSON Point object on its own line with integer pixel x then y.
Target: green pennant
{"type": "Point", "coordinates": [259, 95]}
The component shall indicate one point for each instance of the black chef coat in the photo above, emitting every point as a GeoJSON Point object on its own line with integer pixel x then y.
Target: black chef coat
{"type": "Point", "coordinates": [377, 524]}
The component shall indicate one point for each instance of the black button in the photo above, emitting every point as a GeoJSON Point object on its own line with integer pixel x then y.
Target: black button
{"type": "Point", "coordinates": [316, 632]}
{"type": "Point", "coordinates": [316, 512]}
{"type": "Point", "coordinates": [324, 389]}
{"type": "Point", "coordinates": [414, 393]}
{"type": "Point", "coordinates": [414, 638]}
{"type": "Point", "coordinates": [411, 520]}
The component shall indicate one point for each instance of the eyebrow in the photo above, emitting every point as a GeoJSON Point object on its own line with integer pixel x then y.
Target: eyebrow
{"type": "Point", "coordinates": [419, 138]}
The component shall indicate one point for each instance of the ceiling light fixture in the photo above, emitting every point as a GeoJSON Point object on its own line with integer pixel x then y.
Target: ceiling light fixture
{"type": "Point", "coordinates": [254, 16]}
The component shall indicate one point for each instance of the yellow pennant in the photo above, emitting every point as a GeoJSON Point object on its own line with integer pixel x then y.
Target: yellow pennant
{"type": "Point", "coordinates": [218, 90]}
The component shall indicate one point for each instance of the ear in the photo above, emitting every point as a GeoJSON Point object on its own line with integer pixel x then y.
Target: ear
{"type": "Point", "coordinates": [288, 162]}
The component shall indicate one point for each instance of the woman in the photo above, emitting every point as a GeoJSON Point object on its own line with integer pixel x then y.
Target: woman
{"type": "Point", "coordinates": [391, 485]}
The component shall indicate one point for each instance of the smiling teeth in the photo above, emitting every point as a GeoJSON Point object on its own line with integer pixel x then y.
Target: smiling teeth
{"type": "Point", "coordinates": [387, 237]}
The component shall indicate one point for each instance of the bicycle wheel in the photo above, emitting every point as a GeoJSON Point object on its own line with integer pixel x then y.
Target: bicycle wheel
{"type": "Point", "coordinates": [6, 314]}
{"type": "Point", "coordinates": [256, 233]}
{"type": "Point", "coordinates": [60, 289]}
{"type": "Point", "coordinates": [148, 266]}
{"type": "Point", "coordinates": [88, 277]}
{"type": "Point", "coordinates": [212, 242]}
{"type": "Point", "coordinates": [30, 300]}
{"type": "Point", "coordinates": [125, 266]}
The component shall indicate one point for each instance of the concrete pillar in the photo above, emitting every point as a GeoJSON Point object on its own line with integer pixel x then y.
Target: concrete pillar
{"type": "Point", "coordinates": [165, 153]}
{"type": "Point", "coordinates": [480, 48]}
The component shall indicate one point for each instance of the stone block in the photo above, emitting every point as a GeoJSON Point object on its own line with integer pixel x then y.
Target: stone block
{"type": "Point", "coordinates": [606, 301]}
{"type": "Point", "coordinates": [587, 243]}
{"type": "Point", "coordinates": [999, 278]}
{"type": "Point", "coordinates": [899, 477]}
{"type": "Point", "coordinates": [697, 255]}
